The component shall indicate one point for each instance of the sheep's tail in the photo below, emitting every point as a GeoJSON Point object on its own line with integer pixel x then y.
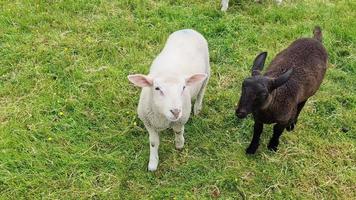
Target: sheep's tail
{"type": "Point", "coordinates": [318, 35]}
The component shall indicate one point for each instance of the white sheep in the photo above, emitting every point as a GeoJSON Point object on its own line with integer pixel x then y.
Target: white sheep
{"type": "Point", "coordinates": [179, 74]}
{"type": "Point", "coordinates": [225, 4]}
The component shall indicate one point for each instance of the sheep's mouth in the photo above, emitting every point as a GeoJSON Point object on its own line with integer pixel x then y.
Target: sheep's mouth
{"type": "Point", "coordinates": [241, 114]}
{"type": "Point", "coordinates": [173, 119]}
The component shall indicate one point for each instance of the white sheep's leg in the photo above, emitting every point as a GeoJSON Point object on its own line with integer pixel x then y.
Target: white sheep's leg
{"type": "Point", "coordinates": [179, 136]}
{"type": "Point", "coordinates": [278, 2]}
{"type": "Point", "coordinates": [225, 5]}
{"type": "Point", "coordinates": [198, 104]}
{"type": "Point", "coordinates": [154, 144]}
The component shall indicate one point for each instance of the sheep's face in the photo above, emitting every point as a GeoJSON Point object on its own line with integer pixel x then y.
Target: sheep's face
{"type": "Point", "coordinates": [256, 89]}
{"type": "Point", "coordinates": [254, 94]}
{"type": "Point", "coordinates": [169, 94]}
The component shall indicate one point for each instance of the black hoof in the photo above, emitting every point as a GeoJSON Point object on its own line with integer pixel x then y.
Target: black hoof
{"type": "Point", "coordinates": [273, 145]}
{"type": "Point", "coordinates": [272, 148]}
{"type": "Point", "coordinates": [251, 149]}
{"type": "Point", "coordinates": [291, 126]}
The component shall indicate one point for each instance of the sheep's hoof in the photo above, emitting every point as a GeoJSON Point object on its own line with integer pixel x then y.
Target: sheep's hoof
{"type": "Point", "coordinates": [272, 147]}
{"type": "Point", "coordinates": [279, 2]}
{"type": "Point", "coordinates": [179, 148]}
{"type": "Point", "coordinates": [197, 109]}
{"type": "Point", "coordinates": [251, 150]}
{"type": "Point", "coordinates": [291, 126]}
{"type": "Point", "coordinates": [180, 144]}
{"type": "Point", "coordinates": [152, 166]}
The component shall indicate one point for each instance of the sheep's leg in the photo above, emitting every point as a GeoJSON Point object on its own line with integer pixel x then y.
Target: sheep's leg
{"type": "Point", "coordinates": [257, 130]}
{"type": "Point", "coordinates": [277, 132]}
{"type": "Point", "coordinates": [278, 2]}
{"type": "Point", "coordinates": [154, 144]}
{"type": "Point", "coordinates": [299, 109]}
{"type": "Point", "coordinates": [225, 5]}
{"type": "Point", "coordinates": [294, 121]}
{"type": "Point", "coordinates": [179, 136]}
{"type": "Point", "coordinates": [198, 104]}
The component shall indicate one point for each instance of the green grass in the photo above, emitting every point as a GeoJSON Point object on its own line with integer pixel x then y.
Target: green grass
{"type": "Point", "coordinates": [68, 123]}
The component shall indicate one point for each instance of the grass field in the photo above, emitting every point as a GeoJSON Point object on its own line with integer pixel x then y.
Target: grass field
{"type": "Point", "coordinates": [68, 123]}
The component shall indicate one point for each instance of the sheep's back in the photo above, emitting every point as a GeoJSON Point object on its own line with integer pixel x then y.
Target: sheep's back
{"type": "Point", "coordinates": [308, 58]}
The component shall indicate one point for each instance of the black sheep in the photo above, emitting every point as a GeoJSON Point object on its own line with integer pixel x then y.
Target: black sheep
{"type": "Point", "coordinates": [279, 95]}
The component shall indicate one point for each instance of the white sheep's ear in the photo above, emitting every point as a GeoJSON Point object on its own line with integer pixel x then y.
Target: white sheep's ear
{"type": "Point", "coordinates": [196, 78]}
{"type": "Point", "coordinates": [140, 80]}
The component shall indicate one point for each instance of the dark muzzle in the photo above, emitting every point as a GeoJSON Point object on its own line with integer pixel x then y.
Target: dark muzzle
{"type": "Point", "coordinates": [240, 113]}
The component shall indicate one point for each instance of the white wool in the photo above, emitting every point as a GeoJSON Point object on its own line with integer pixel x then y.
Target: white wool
{"type": "Point", "coordinates": [185, 55]}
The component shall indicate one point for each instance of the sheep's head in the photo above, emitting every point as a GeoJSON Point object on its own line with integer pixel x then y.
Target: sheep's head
{"type": "Point", "coordinates": [168, 93]}
{"type": "Point", "coordinates": [256, 90]}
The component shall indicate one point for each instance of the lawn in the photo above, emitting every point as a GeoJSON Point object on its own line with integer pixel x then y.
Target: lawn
{"type": "Point", "coordinates": [68, 122]}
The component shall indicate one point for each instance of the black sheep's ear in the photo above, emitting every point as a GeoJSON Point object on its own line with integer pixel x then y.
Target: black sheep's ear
{"type": "Point", "coordinates": [282, 79]}
{"type": "Point", "coordinates": [258, 64]}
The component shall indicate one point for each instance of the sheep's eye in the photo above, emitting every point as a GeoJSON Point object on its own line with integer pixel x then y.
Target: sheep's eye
{"type": "Point", "coordinates": [159, 89]}
{"type": "Point", "coordinates": [183, 87]}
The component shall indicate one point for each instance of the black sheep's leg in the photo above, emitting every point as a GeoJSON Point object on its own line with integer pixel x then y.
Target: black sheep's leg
{"type": "Point", "coordinates": [299, 109]}
{"type": "Point", "coordinates": [257, 130]}
{"type": "Point", "coordinates": [294, 121]}
{"type": "Point", "coordinates": [277, 132]}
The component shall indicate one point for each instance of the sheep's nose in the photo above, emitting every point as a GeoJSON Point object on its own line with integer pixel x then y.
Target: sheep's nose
{"type": "Point", "coordinates": [175, 112]}
{"type": "Point", "coordinates": [241, 113]}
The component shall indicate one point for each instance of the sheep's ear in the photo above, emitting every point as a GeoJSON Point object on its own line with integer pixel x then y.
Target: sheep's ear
{"type": "Point", "coordinates": [196, 78]}
{"type": "Point", "coordinates": [282, 79]}
{"type": "Point", "coordinates": [258, 64]}
{"type": "Point", "coordinates": [140, 80]}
